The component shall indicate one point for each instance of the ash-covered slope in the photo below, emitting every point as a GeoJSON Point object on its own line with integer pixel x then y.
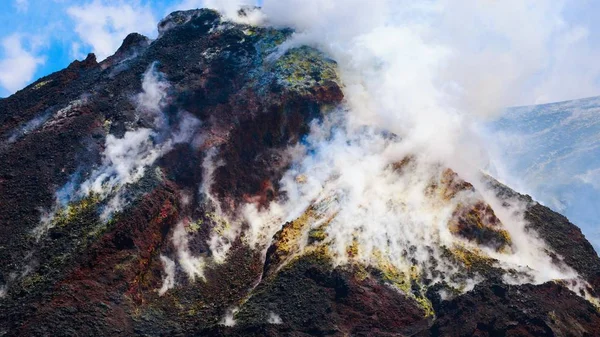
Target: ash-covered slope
{"type": "Point", "coordinates": [149, 194]}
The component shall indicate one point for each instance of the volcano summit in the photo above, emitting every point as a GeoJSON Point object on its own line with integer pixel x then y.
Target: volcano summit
{"type": "Point", "coordinates": [221, 180]}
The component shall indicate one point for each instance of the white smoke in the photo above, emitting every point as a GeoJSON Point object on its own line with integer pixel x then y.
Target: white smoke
{"type": "Point", "coordinates": [46, 220]}
{"type": "Point", "coordinates": [229, 319]}
{"type": "Point", "coordinates": [193, 266]}
{"type": "Point", "coordinates": [223, 233]}
{"type": "Point", "coordinates": [428, 72]}
{"type": "Point", "coordinates": [66, 112]}
{"type": "Point", "coordinates": [225, 230]}
{"type": "Point", "coordinates": [186, 131]}
{"type": "Point", "coordinates": [228, 8]}
{"type": "Point", "coordinates": [348, 178]}
{"type": "Point", "coordinates": [169, 277]}
{"type": "Point", "coordinates": [152, 99]}
{"type": "Point", "coordinates": [274, 319]}
{"type": "Point", "coordinates": [529, 250]}
{"type": "Point", "coordinates": [125, 160]}
{"type": "Point", "coordinates": [28, 127]}
{"type": "Point", "coordinates": [492, 53]}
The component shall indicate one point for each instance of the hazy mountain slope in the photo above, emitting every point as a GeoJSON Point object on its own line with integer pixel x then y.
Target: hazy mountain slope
{"type": "Point", "coordinates": [553, 152]}
{"type": "Point", "coordinates": [139, 196]}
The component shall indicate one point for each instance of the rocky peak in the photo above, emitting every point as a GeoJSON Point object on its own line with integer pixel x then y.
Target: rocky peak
{"type": "Point", "coordinates": [202, 17]}
{"type": "Point", "coordinates": [133, 44]}
{"type": "Point", "coordinates": [88, 62]}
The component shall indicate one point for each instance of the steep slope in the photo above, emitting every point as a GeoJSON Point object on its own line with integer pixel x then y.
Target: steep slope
{"type": "Point", "coordinates": [130, 191]}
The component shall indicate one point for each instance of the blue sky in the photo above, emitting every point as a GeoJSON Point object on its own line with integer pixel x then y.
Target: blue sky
{"type": "Point", "coordinates": [39, 37]}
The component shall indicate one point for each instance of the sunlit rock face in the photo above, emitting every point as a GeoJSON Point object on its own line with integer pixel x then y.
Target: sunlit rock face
{"type": "Point", "coordinates": [205, 184]}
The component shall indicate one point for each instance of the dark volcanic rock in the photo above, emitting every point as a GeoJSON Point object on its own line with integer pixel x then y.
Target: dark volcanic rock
{"type": "Point", "coordinates": [526, 310]}
{"type": "Point", "coordinates": [312, 297]}
{"type": "Point", "coordinates": [91, 274]}
{"type": "Point", "coordinates": [101, 278]}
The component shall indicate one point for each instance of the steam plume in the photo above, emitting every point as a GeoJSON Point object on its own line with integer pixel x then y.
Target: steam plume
{"type": "Point", "coordinates": [169, 277]}
{"type": "Point", "coordinates": [426, 74]}
{"type": "Point", "coordinates": [125, 160]}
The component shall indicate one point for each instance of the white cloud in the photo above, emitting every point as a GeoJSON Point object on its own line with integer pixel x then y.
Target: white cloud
{"type": "Point", "coordinates": [103, 25]}
{"type": "Point", "coordinates": [76, 52]}
{"type": "Point", "coordinates": [230, 6]}
{"type": "Point", "coordinates": [187, 4]}
{"type": "Point", "coordinates": [574, 71]}
{"type": "Point", "coordinates": [591, 177]}
{"type": "Point", "coordinates": [18, 66]}
{"type": "Point", "coordinates": [22, 5]}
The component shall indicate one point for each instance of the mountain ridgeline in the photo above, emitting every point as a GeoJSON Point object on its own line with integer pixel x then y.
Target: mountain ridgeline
{"type": "Point", "coordinates": [130, 190]}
